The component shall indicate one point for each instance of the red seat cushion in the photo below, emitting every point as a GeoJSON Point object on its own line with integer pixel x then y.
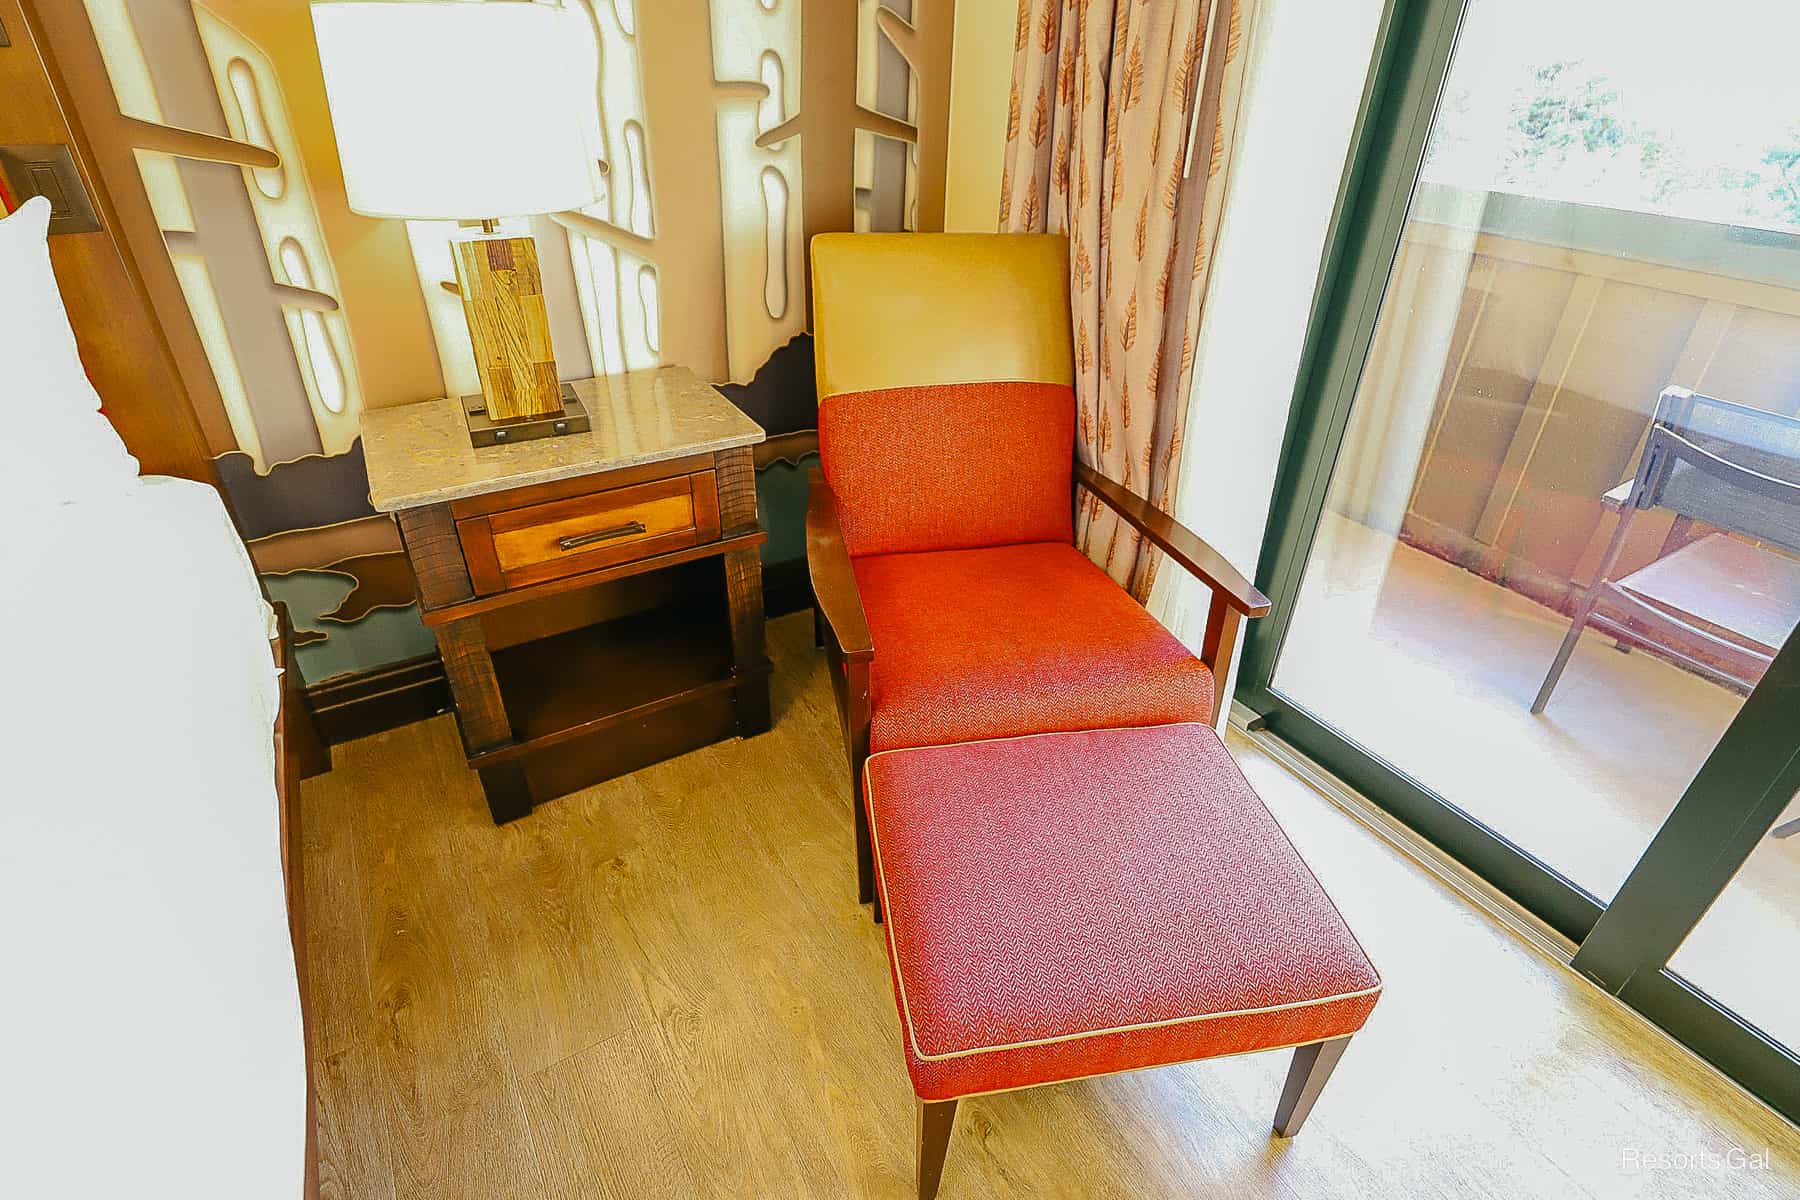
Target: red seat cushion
{"type": "Point", "coordinates": [950, 466]}
{"type": "Point", "coordinates": [1075, 904]}
{"type": "Point", "coordinates": [1016, 639]}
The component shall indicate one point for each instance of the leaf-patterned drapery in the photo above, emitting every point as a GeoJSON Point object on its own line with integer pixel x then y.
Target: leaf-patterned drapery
{"type": "Point", "coordinates": [1118, 135]}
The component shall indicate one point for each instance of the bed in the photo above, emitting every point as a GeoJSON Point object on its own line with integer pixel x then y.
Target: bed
{"type": "Point", "coordinates": [153, 1009]}
{"type": "Point", "coordinates": [152, 1039]}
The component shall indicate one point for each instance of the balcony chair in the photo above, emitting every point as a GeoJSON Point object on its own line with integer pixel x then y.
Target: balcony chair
{"type": "Point", "coordinates": [952, 601]}
{"type": "Point", "coordinates": [1720, 605]}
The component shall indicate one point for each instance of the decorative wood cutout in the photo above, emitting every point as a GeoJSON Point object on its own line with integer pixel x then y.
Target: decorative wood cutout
{"type": "Point", "coordinates": [304, 494]}
{"type": "Point", "coordinates": [199, 108]}
{"type": "Point", "coordinates": [728, 131]}
{"type": "Point", "coordinates": [789, 449]}
{"type": "Point", "coordinates": [299, 549]}
{"type": "Point", "coordinates": [382, 581]}
{"type": "Point", "coordinates": [782, 396]}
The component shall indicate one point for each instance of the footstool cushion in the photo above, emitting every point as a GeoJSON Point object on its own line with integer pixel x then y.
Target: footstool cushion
{"type": "Point", "coordinates": [1063, 905]}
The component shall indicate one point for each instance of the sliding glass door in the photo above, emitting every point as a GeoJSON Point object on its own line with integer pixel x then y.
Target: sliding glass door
{"type": "Point", "coordinates": [1537, 538]}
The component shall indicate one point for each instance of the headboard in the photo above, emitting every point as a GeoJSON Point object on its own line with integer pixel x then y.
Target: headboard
{"type": "Point", "coordinates": [123, 346]}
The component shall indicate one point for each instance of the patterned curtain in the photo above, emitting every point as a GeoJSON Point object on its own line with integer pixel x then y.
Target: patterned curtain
{"type": "Point", "coordinates": [1119, 136]}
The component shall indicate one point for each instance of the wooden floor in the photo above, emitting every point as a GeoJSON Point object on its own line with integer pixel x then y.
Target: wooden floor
{"type": "Point", "coordinates": [664, 987]}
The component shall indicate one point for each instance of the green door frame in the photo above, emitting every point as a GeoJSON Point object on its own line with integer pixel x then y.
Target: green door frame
{"type": "Point", "coordinates": [1736, 796]}
{"type": "Point", "coordinates": [1413, 46]}
{"type": "Point", "coordinates": [1734, 800]}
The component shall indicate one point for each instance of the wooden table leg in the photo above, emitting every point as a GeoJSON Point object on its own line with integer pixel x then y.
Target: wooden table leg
{"type": "Point", "coordinates": [507, 790]}
{"type": "Point", "coordinates": [481, 713]}
{"type": "Point", "coordinates": [743, 590]}
{"type": "Point", "coordinates": [442, 577]}
{"type": "Point", "coordinates": [736, 472]}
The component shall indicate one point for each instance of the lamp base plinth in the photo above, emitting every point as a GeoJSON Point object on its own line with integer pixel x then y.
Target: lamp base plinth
{"type": "Point", "coordinates": [485, 431]}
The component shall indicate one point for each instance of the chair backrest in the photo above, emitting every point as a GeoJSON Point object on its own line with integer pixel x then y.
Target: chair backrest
{"type": "Point", "coordinates": [946, 388]}
{"type": "Point", "coordinates": [1726, 464]}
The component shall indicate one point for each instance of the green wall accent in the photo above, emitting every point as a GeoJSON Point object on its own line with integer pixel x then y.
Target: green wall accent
{"type": "Point", "coordinates": [384, 636]}
{"type": "Point", "coordinates": [781, 503]}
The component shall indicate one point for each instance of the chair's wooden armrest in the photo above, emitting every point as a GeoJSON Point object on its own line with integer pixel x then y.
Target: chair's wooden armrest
{"type": "Point", "coordinates": [833, 581]}
{"type": "Point", "coordinates": [1177, 541]}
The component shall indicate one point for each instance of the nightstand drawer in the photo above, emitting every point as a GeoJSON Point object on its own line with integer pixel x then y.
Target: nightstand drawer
{"type": "Point", "coordinates": [535, 542]}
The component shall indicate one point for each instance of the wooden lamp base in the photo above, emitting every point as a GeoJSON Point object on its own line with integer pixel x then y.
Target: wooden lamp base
{"type": "Point", "coordinates": [503, 301]}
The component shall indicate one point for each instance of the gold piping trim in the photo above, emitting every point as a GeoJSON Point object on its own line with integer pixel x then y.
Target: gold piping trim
{"type": "Point", "coordinates": [1180, 1062]}
{"type": "Point", "coordinates": [942, 383]}
{"type": "Point", "coordinates": [1019, 737]}
{"type": "Point", "coordinates": [912, 1036]}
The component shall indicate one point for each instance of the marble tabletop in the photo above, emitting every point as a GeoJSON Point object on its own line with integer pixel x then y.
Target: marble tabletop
{"type": "Point", "coordinates": [420, 454]}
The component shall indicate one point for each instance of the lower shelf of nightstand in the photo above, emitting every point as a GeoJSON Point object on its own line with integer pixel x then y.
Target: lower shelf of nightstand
{"type": "Point", "coordinates": [632, 744]}
{"type": "Point", "coordinates": [600, 671]}
{"type": "Point", "coordinates": [606, 699]}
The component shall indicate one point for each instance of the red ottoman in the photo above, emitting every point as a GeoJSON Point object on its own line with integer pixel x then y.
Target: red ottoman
{"type": "Point", "coordinates": [1062, 905]}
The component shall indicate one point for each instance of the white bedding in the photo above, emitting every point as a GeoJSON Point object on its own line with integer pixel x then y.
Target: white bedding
{"type": "Point", "coordinates": [150, 1037]}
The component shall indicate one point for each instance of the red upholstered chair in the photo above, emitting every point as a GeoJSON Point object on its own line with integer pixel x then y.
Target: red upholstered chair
{"type": "Point", "coordinates": [953, 603]}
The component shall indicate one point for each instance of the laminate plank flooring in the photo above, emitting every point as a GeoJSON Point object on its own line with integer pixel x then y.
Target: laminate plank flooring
{"type": "Point", "coordinates": [663, 986]}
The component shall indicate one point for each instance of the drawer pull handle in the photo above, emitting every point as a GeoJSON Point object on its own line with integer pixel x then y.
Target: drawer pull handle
{"type": "Point", "coordinates": [600, 535]}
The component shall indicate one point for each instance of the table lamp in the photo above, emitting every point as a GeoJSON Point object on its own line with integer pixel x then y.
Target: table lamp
{"type": "Point", "coordinates": [472, 111]}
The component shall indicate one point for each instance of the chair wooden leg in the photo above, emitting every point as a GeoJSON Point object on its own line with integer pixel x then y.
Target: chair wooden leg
{"type": "Point", "coordinates": [865, 859]}
{"type": "Point", "coordinates": [936, 1119]}
{"type": "Point", "coordinates": [856, 745]}
{"type": "Point", "coordinates": [1306, 1078]}
{"type": "Point", "coordinates": [865, 851]}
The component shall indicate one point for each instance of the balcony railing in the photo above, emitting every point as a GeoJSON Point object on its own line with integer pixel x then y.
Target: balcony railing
{"type": "Point", "coordinates": [1521, 380]}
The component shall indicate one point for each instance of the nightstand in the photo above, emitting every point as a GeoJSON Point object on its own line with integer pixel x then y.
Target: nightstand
{"type": "Point", "coordinates": [596, 597]}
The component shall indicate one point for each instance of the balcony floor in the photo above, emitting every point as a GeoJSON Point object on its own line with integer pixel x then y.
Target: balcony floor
{"type": "Point", "coordinates": [1434, 668]}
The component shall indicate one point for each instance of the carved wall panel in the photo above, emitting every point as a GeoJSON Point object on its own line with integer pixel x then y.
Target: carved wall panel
{"type": "Point", "coordinates": [730, 131]}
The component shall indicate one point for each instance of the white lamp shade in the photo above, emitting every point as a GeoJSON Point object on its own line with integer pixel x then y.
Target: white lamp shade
{"type": "Point", "coordinates": [452, 109]}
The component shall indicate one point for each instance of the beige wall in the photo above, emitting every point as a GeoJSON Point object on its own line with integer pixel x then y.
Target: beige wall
{"type": "Point", "coordinates": [981, 74]}
{"type": "Point", "coordinates": [1308, 63]}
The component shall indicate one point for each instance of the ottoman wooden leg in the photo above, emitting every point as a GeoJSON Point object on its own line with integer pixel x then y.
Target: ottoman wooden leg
{"type": "Point", "coordinates": [936, 1118]}
{"type": "Point", "coordinates": [1306, 1079]}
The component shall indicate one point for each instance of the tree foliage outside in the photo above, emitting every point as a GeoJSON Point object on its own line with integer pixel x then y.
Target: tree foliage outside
{"type": "Point", "coordinates": [1784, 184]}
{"type": "Point", "coordinates": [1564, 109]}
{"type": "Point", "coordinates": [1569, 136]}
